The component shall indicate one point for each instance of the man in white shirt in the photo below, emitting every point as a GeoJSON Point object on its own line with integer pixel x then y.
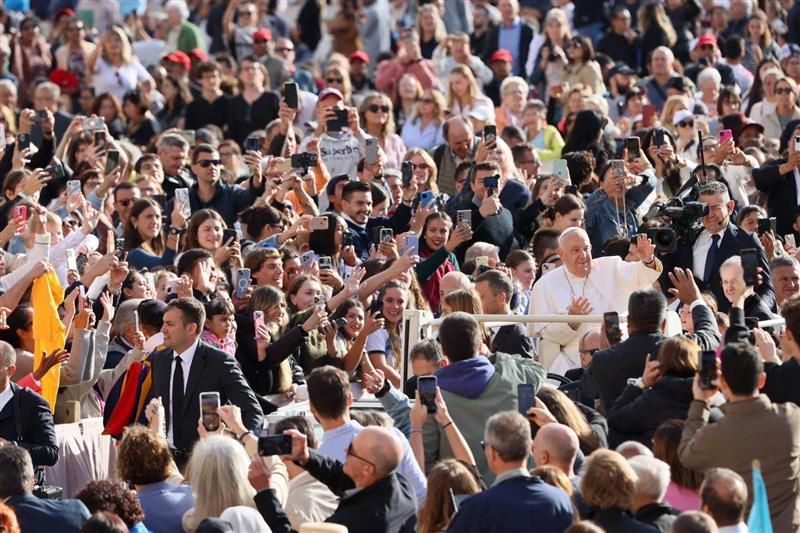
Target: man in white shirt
{"type": "Point", "coordinates": [724, 497]}
{"type": "Point", "coordinates": [330, 400]}
{"type": "Point", "coordinates": [583, 286]}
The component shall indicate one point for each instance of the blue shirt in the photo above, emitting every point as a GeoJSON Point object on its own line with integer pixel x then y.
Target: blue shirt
{"type": "Point", "coordinates": [164, 505]}
{"type": "Point", "coordinates": [427, 139]}
{"type": "Point", "coordinates": [509, 38]}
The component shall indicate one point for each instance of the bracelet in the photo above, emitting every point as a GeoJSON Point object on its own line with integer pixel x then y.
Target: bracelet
{"type": "Point", "coordinates": [648, 263]}
{"type": "Point", "coordinates": [448, 424]}
{"type": "Point", "coordinates": [241, 437]}
{"type": "Point", "coordinates": [415, 430]}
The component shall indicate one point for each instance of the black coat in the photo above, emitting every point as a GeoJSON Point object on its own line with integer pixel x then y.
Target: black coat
{"type": "Point", "coordinates": [262, 376]}
{"type": "Point", "coordinates": [47, 516]}
{"type": "Point", "coordinates": [659, 515]}
{"type": "Point", "coordinates": [733, 241]}
{"type": "Point", "coordinates": [781, 191]}
{"type": "Point", "coordinates": [388, 505]}
{"type": "Point", "coordinates": [27, 420]}
{"type": "Point", "coordinates": [513, 339]}
{"type": "Point", "coordinates": [611, 368]}
{"type": "Point", "coordinates": [493, 43]}
{"type": "Point", "coordinates": [619, 521]}
{"type": "Point", "coordinates": [211, 370]}
{"type": "Point", "coordinates": [497, 230]}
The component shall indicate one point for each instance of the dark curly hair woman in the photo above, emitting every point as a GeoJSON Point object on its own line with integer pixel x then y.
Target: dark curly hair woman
{"type": "Point", "coordinates": [115, 498]}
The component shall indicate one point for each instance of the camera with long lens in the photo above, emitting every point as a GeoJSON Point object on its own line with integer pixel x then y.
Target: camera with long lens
{"type": "Point", "coordinates": [683, 217]}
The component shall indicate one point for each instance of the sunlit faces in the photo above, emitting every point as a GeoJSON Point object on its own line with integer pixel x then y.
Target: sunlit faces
{"type": "Point", "coordinates": [270, 273]}
{"type": "Point", "coordinates": [221, 325]}
{"type": "Point", "coordinates": [576, 253]}
{"type": "Point", "coordinates": [355, 321]}
{"type": "Point", "coordinates": [525, 274]}
{"type": "Point", "coordinates": [148, 223]}
{"type": "Point", "coordinates": [437, 231]}
{"type": "Point", "coordinates": [573, 219]}
{"type": "Point", "coordinates": [307, 295]}
{"type": "Point", "coordinates": [209, 234]}
{"type": "Point", "coordinates": [276, 313]}
{"type": "Point", "coordinates": [394, 304]}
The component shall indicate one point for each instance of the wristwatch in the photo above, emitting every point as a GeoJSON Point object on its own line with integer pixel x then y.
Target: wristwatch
{"type": "Point", "coordinates": [177, 231]}
{"type": "Point", "coordinates": [636, 382]}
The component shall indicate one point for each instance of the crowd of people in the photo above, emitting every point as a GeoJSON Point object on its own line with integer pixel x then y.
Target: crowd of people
{"type": "Point", "coordinates": [218, 212]}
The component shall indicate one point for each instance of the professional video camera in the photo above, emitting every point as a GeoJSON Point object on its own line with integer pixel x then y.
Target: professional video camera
{"type": "Point", "coordinates": [683, 219]}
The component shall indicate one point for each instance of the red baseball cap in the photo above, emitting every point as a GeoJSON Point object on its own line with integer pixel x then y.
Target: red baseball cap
{"type": "Point", "coordinates": [198, 54]}
{"type": "Point", "coordinates": [179, 57]}
{"type": "Point", "coordinates": [359, 55]}
{"type": "Point", "coordinates": [330, 91]}
{"type": "Point", "coordinates": [501, 54]}
{"type": "Point", "coordinates": [706, 38]}
{"type": "Point", "coordinates": [262, 33]}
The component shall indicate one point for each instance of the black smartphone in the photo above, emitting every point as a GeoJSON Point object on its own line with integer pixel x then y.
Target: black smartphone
{"type": "Point", "coordinates": [209, 404]}
{"type": "Point", "coordinates": [161, 200]}
{"type": "Point", "coordinates": [407, 171]}
{"type": "Point", "coordinates": [489, 133]}
{"type": "Point", "coordinates": [660, 137]}
{"type": "Point", "coordinates": [613, 331]}
{"type": "Point", "coordinates": [426, 385]}
{"type": "Point", "coordinates": [708, 369]}
{"type": "Point", "coordinates": [99, 137]}
{"type": "Point", "coordinates": [252, 144]}
{"type": "Point", "coordinates": [290, 94]}
{"type": "Point", "coordinates": [767, 224]}
{"type": "Point", "coordinates": [112, 160]}
{"type": "Point", "coordinates": [376, 307]}
{"type": "Point", "coordinates": [750, 266]}
{"type": "Point", "coordinates": [119, 247]}
{"type": "Point", "coordinates": [339, 122]}
{"type": "Point", "coordinates": [24, 141]}
{"type": "Point", "coordinates": [57, 171]}
{"type": "Point", "coordinates": [41, 115]}
{"type": "Point", "coordinates": [571, 189]}
{"type": "Point", "coordinates": [752, 324]}
{"type": "Point", "coordinates": [347, 239]}
{"type": "Point", "coordinates": [634, 148]}
{"type": "Point", "coordinates": [526, 397]}
{"type": "Point", "coordinates": [274, 445]}
{"type": "Point", "coordinates": [228, 234]}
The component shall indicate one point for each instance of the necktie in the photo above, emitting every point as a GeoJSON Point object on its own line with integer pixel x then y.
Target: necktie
{"type": "Point", "coordinates": [177, 399]}
{"type": "Point", "coordinates": [711, 258]}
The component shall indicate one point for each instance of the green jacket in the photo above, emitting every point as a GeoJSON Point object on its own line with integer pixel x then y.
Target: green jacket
{"type": "Point", "coordinates": [470, 415]}
{"type": "Point", "coordinates": [190, 37]}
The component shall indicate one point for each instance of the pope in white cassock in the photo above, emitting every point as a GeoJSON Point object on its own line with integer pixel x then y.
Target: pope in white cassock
{"type": "Point", "coordinates": [584, 286]}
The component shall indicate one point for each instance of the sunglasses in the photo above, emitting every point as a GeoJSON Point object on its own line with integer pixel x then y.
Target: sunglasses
{"type": "Point", "coordinates": [205, 163]}
{"type": "Point", "coordinates": [576, 44]}
{"type": "Point", "coordinates": [126, 202]}
{"type": "Point", "coordinates": [686, 124]}
{"type": "Point", "coordinates": [381, 108]}
{"type": "Point", "coordinates": [351, 454]}
{"type": "Point", "coordinates": [783, 90]}
{"type": "Point", "coordinates": [334, 80]}
{"type": "Point", "coordinates": [415, 166]}
{"type": "Point", "coordinates": [589, 352]}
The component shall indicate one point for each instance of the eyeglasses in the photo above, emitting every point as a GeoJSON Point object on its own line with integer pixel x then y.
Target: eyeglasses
{"type": "Point", "coordinates": [381, 108]}
{"type": "Point", "coordinates": [576, 44]}
{"type": "Point", "coordinates": [284, 49]}
{"type": "Point", "coordinates": [205, 163]}
{"type": "Point", "coordinates": [589, 352]}
{"type": "Point", "coordinates": [126, 202]}
{"type": "Point", "coordinates": [415, 166]}
{"type": "Point", "coordinates": [334, 80]}
{"type": "Point", "coordinates": [783, 90]}
{"type": "Point", "coordinates": [351, 454]}
{"type": "Point", "coordinates": [686, 124]}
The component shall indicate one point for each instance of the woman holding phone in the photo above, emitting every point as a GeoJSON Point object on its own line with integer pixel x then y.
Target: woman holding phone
{"type": "Point", "coordinates": [207, 230]}
{"type": "Point", "coordinates": [147, 246]}
{"type": "Point", "coordinates": [358, 326]}
{"type": "Point", "coordinates": [437, 253]}
{"type": "Point", "coordinates": [383, 346]}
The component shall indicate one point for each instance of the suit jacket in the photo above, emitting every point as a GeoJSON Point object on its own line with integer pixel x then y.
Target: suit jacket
{"type": "Point", "coordinates": [27, 420]}
{"type": "Point", "coordinates": [493, 43]}
{"type": "Point", "coordinates": [211, 370]}
{"type": "Point", "coordinates": [513, 339]}
{"type": "Point", "coordinates": [46, 516]}
{"type": "Point", "coordinates": [388, 505]}
{"type": "Point", "coordinates": [781, 191]}
{"type": "Point", "coordinates": [733, 241]}
{"type": "Point", "coordinates": [608, 373]}
{"type": "Point", "coordinates": [62, 122]}
{"type": "Point", "coordinates": [515, 504]}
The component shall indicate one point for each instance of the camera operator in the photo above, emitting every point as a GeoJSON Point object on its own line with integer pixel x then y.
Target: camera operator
{"type": "Point", "coordinates": [719, 240]}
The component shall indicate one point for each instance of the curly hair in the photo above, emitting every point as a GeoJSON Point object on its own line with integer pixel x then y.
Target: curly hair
{"type": "Point", "coordinates": [113, 497]}
{"type": "Point", "coordinates": [608, 481]}
{"type": "Point", "coordinates": [143, 456]}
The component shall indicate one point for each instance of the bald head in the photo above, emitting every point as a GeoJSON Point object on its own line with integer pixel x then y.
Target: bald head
{"type": "Point", "coordinates": [452, 282]}
{"type": "Point", "coordinates": [631, 448]}
{"type": "Point", "coordinates": [556, 445]}
{"type": "Point", "coordinates": [457, 132]}
{"type": "Point", "coordinates": [381, 447]}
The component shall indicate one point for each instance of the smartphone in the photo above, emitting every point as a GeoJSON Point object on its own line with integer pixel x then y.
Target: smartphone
{"type": "Point", "coordinates": [41, 115]}
{"type": "Point", "coordinates": [209, 403]}
{"type": "Point", "coordinates": [750, 266]}
{"type": "Point", "coordinates": [526, 398]}
{"type": "Point", "coordinates": [634, 148]}
{"type": "Point", "coordinates": [182, 201]}
{"type": "Point", "coordinates": [99, 137]}
{"type": "Point", "coordinates": [242, 282]}
{"type": "Point", "coordinates": [613, 331]}
{"type": "Point", "coordinates": [340, 323]}
{"type": "Point", "coordinates": [112, 160]}
{"type": "Point", "coordinates": [319, 224]}
{"type": "Point", "coordinates": [560, 170]}
{"type": "Point", "coordinates": [371, 150]}
{"type": "Point", "coordinates": [72, 263]}
{"type": "Point", "coordinates": [618, 168]}
{"type": "Point", "coordinates": [339, 122]}
{"type": "Point", "coordinates": [24, 141]}
{"type": "Point", "coordinates": [291, 95]}
{"type": "Point", "coordinates": [708, 369]}
{"type": "Point", "coordinates": [489, 133]}
{"type": "Point", "coordinates": [492, 182]}
{"type": "Point", "coordinates": [725, 135]}
{"type": "Point", "coordinates": [426, 385]}
{"type": "Point", "coordinates": [407, 172]}
{"type": "Point", "coordinates": [464, 218]}
{"type": "Point", "coordinates": [73, 187]}
{"type": "Point", "coordinates": [274, 445]}
{"type": "Point", "coordinates": [21, 214]}
{"type": "Point", "coordinates": [387, 235]}
{"type": "Point", "coordinates": [660, 137]}
{"type": "Point", "coordinates": [119, 246]}
{"type": "Point", "coordinates": [752, 324]}
{"type": "Point", "coordinates": [376, 306]}
{"type": "Point", "coordinates": [258, 321]}
{"type": "Point", "coordinates": [2, 137]}
{"type": "Point", "coordinates": [325, 262]}
{"type": "Point", "coordinates": [788, 240]}
{"type": "Point", "coordinates": [136, 325]}
{"type": "Point", "coordinates": [347, 239]}
{"type": "Point", "coordinates": [57, 171]}
{"type": "Point", "coordinates": [161, 200]}
{"type": "Point", "coordinates": [307, 259]}
{"type": "Point", "coordinates": [412, 244]}
{"type": "Point", "coordinates": [648, 114]}
{"type": "Point", "coordinates": [425, 198]}
{"type": "Point", "coordinates": [252, 144]}
{"type": "Point", "coordinates": [482, 261]}
{"type": "Point", "coordinates": [229, 234]}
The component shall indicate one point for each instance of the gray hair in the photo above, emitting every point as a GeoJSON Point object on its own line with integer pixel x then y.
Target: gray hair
{"type": "Point", "coordinates": [509, 433]}
{"type": "Point", "coordinates": [173, 140]}
{"type": "Point", "coordinates": [480, 249]}
{"type": "Point", "coordinates": [734, 260]}
{"type": "Point", "coordinates": [125, 315]}
{"type": "Point", "coordinates": [654, 477]}
{"type": "Point", "coordinates": [783, 260]}
{"type": "Point", "coordinates": [711, 188]}
{"type": "Point", "coordinates": [9, 84]}
{"type": "Point", "coordinates": [16, 471]}
{"type": "Point", "coordinates": [179, 6]}
{"type": "Point", "coordinates": [709, 74]}
{"type": "Point", "coordinates": [50, 87]}
{"type": "Point", "coordinates": [8, 356]}
{"type": "Point", "coordinates": [632, 448]}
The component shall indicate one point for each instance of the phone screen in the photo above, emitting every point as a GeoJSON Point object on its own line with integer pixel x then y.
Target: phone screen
{"type": "Point", "coordinates": [242, 282]}
{"type": "Point", "coordinates": [427, 392]}
{"type": "Point", "coordinates": [274, 445]}
{"type": "Point", "coordinates": [290, 94]}
{"type": "Point", "coordinates": [750, 266]}
{"type": "Point", "coordinates": [112, 160]}
{"type": "Point", "coordinates": [708, 369]}
{"type": "Point", "coordinates": [526, 397]}
{"type": "Point", "coordinates": [209, 403]}
{"type": "Point", "coordinates": [633, 146]}
{"type": "Point", "coordinates": [613, 331]}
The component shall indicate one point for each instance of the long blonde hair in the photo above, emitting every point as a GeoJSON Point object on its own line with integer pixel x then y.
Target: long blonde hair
{"type": "Point", "coordinates": [127, 50]}
{"type": "Point", "coordinates": [447, 475]}
{"type": "Point", "coordinates": [439, 102]}
{"type": "Point", "coordinates": [440, 32]}
{"type": "Point", "coordinates": [217, 472]}
{"type": "Point", "coordinates": [432, 170]}
{"type": "Point", "coordinates": [465, 71]}
{"type": "Point", "coordinates": [388, 127]}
